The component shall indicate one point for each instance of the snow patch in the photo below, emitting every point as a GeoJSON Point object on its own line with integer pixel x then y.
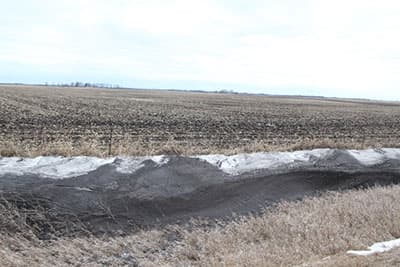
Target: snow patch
{"type": "Point", "coordinates": [241, 163]}
{"type": "Point", "coordinates": [52, 167]}
{"type": "Point", "coordinates": [132, 164]}
{"type": "Point", "coordinates": [129, 164]}
{"type": "Point", "coordinates": [377, 248]}
{"type": "Point", "coordinates": [67, 167]}
{"type": "Point", "coordinates": [83, 189]}
{"type": "Point", "coordinates": [391, 153]}
{"type": "Point", "coordinates": [369, 156]}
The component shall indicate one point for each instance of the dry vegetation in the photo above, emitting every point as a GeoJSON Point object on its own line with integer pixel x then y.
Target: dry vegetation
{"type": "Point", "coordinates": [79, 121]}
{"type": "Point", "coordinates": [312, 232]}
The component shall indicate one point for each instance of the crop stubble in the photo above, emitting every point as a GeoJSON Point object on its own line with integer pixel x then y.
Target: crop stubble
{"type": "Point", "coordinates": [52, 120]}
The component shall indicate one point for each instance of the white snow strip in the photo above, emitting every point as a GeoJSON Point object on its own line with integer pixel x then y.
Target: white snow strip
{"type": "Point", "coordinates": [52, 167]}
{"type": "Point", "coordinates": [369, 156]}
{"type": "Point", "coordinates": [67, 167]}
{"type": "Point", "coordinates": [391, 153]}
{"type": "Point", "coordinates": [242, 163]}
{"type": "Point", "coordinates": [377, 248]}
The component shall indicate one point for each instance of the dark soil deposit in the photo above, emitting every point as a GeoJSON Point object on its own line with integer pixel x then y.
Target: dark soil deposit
{"type": "Point", "coordinates": [107, 201]}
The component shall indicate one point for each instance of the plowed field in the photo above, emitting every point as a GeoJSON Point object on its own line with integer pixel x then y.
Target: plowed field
{"type": "Point", "coordinates": [54, 120]}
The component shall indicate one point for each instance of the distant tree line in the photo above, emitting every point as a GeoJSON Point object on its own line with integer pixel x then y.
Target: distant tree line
{"type": "Point", "coordinates": [225, 91]}
{"type": "Point", "coordinates": [107, 85]}
{"type": "Point", "coordinates": [83, 84]}
{"type": "Point", "coordinates": [222, 91]}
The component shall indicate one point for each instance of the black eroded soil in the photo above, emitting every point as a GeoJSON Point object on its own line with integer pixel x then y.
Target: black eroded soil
{"type": "Point", "coordinates": [105, 201]}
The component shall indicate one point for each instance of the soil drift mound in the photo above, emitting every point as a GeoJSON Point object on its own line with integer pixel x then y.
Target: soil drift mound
{"type": "Point", "coordinates": [125, 194]}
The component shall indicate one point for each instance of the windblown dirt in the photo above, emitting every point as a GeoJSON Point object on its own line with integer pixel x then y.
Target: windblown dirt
{"type": "Point", "coordinates": [106, 201]}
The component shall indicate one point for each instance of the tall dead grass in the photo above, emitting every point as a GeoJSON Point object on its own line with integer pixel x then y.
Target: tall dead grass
{"type": "Point", "coordinates": [312, 232]}
{"type": "Point", "coordinates": [296, 232]}
{"type": "Point", "coordinates": [391, 258]}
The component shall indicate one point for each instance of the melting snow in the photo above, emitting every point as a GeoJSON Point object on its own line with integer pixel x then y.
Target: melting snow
{"type": "Point", "coordinates": [369, 156]}
{"type": "Point", "coordinates": [377, 248]}
{"type": "Point", "coordinates": [132, 164]}
{"type": "Point", "coordinates": [52, 167]}
{"type": "Point", "coordinates": [242, 163]}
{"type": "Point", "coordinates": [129, 164]}
{"type": "Point", "coordinates": [64, 167]}
{"type": "Point", "coordinates": [67, 167]}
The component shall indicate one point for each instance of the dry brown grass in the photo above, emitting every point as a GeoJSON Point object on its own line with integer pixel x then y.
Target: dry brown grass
{"type": "Point", "coordinates": [294, 233]}
{"type": "Point", "coordinates": [312, 232]}
{"type": "Point", "coordinates": [78, 121]}
{"type": "Point", "coordinates": [127, 147]}
{"type": "Point", "coordinates": [391, 258]}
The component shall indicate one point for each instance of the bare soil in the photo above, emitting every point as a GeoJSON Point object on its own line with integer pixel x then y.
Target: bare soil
{"type": "Point", "coordinates": [49, 120]}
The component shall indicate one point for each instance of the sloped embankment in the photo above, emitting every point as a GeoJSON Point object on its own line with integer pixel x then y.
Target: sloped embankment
{"type": "Point", "coordinates": [104, 195]}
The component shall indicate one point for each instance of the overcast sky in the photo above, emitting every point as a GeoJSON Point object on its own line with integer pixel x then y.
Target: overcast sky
{"type": "Point", "coordinates": [344, 48]}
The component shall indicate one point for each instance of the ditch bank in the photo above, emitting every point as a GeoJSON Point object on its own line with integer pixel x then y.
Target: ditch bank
{"type": "Point", "coordinates": [121, 195]}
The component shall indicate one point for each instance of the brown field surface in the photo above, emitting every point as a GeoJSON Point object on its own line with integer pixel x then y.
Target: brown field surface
{"type": "Point", "coordinates": [71, 121]}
